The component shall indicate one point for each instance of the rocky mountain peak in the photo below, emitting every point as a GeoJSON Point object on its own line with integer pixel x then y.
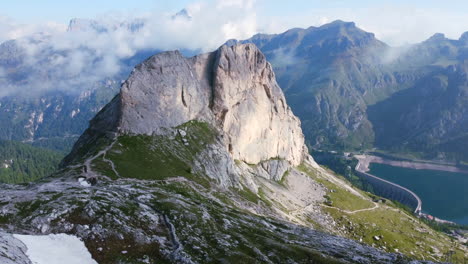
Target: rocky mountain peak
{"type": "Point", "coordinates": [341, 23]}
{"type": "Point", "coordinates": [99, 26]}
{"type": "Point", "coordinates": [436, 37]}
{"type": "Point", "coordinates": [79, 24]}
{"type": "Point", "coordinates": [342, 28]}
{"type": "Point", "coordinates": [233, 89]}
{"type": "Point", "coordinates": [464, 38]}
{"type": "Point", "coordinates": [183, 14]}
{"type": "Point", "coordinates": [343, 36]}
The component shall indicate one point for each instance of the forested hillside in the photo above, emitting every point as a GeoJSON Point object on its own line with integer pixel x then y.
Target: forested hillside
{"type": "Point", "coordinates": [20, 163]}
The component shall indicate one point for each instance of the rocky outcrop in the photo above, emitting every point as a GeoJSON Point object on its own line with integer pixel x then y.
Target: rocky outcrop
{"type": "Point", "coordinates": [464, 38]}
{"type": "Point", "coordinates": [13, 251]}
{"type": "Point", "coordinates": [251, 109]}
{"type": "Point", "coordinates": [162, 92]}
{"type": "Point", "coordinates": [233, 89]}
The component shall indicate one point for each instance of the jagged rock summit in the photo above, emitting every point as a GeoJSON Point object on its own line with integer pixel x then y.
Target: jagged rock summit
{"type": "Point", "coordinates": [233, 89]}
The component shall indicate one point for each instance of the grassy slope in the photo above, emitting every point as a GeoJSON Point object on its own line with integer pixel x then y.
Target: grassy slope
{"type": "Point", "coordinates": [340, 197]}
{"type": "Point", "coordinates": [399, 230]}
{"type": "Point", "coordinates": [159, 157]}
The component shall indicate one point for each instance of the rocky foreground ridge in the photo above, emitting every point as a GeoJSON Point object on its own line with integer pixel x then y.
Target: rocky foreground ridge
{"type": "Point", "coordinates": [200, 160]}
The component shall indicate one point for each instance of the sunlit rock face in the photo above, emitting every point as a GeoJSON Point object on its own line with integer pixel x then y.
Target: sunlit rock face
{"type": "Point", "coordinates": [233, 88]}
{"type": "Point", "coordinates": [251, 109]}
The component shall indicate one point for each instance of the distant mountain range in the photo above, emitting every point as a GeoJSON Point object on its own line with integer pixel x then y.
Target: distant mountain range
{"type": "Point", "coordinates": [352, 91]}
{"type": "Point", "coordinates": [53, 116]}
{"type": "Point", "coordinates": [46, 100]}
{"type": "Point", "coordinates": [50, 91]}
{"type": "Point", "coordinates": [431, 115]}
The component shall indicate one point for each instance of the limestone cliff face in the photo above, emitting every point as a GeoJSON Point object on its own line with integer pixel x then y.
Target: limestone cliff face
{"type": "Point", "coordinates": [251, 109]}
{"type": "Point", "coordinates": [162, 92]}
{"type": "Point", "coordinates": [233, 88]}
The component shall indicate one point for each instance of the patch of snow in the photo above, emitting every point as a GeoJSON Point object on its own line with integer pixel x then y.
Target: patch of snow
{"type": "Point", "coordinates": [84, 182]}
{"type": "Point", "coordinates": [56, 249]}
{"type": "Point", "coordinates": [44, 228]}
{"type": "Point", "coordinates": [74, 113]}
{"type": "Point", "coordinates": [40, 118]}
{"type": "Point", "coordinates": [85, 94]}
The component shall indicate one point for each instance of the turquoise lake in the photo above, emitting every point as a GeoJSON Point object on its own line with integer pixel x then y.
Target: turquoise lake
{"type": "Point", "coordinates": [443, 194]}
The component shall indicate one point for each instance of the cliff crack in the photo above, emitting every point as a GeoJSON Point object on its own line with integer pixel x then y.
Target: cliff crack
{"type": "Point", "coordinates": [267, 91]}
{"type": "Point", "coordinates": [183, 99]}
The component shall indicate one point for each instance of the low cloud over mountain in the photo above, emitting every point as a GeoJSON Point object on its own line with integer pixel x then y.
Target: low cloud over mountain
{"type": "Point", "coordinates": [72, 58]}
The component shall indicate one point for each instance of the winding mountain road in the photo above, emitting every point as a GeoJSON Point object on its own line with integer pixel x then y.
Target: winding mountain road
{"type": "Point", "coordinates": [87, 163]}
{"type": "Point", "coordinates": [363, 169]}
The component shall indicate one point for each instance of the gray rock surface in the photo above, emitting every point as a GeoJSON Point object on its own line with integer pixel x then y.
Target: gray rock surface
{"type": "Point", "coordinates": [12, 250]}
{"type": "Point", "coordinates": [251, 108]}
{"type": "Point", "coordinates": [233, 89]}
{"type": "Point", "coordinates": [162, 92]}
{"type": "Point", "coordinates": [99, 215]}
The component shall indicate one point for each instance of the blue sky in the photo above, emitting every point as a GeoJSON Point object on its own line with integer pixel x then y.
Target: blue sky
{"type": "Point", "coordinates": [394, 21]}
{"type": "Point", "coordinates": [28, 11]}
{"type": "Point", "coordinates": [61, 11]}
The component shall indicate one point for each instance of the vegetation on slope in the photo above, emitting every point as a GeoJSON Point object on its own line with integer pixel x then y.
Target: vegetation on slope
{"type": "Point", "coordinates": [161, 156]}
{"type": "Point", "coordinates": [22, 163]}
{"type": "Point", "coordinates": [341, 165]}
{"type": "Point", "coordinates": [52, 119]}
{"type": "Point", "coordinates": [427, 118]}
{"type": "Point", "coordinates": [206, 220]}
{"type": "Point", "coordinates": [385, 225]}
{"type": "Point", "coordinates": [338, 196]}
{"type": "Point", "coordinates": [205, 217]}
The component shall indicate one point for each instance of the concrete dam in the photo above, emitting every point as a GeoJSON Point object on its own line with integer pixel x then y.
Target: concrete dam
{"type": "Point", "coordinates": [391, 190]}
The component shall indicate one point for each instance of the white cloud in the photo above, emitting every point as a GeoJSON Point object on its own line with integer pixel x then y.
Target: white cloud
{"type": "Point", "coordinates": [236, 3]}
{"type": "Point", "coordinates": [9, 29]}
{"type": "Point", "coordinates": [76, 60]}
{"type": "Point", "coordinates": [402, 25]}
{"type": "Point", "coordinates": [395, 24]}
{"type": "Point", "coordinates": [57, 59]}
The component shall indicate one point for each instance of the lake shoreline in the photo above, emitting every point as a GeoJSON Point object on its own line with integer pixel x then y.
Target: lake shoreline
{"type": "Point", "coordinates": [366, 160]}
{"type": "Point", "coordinates": [434, 212]}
